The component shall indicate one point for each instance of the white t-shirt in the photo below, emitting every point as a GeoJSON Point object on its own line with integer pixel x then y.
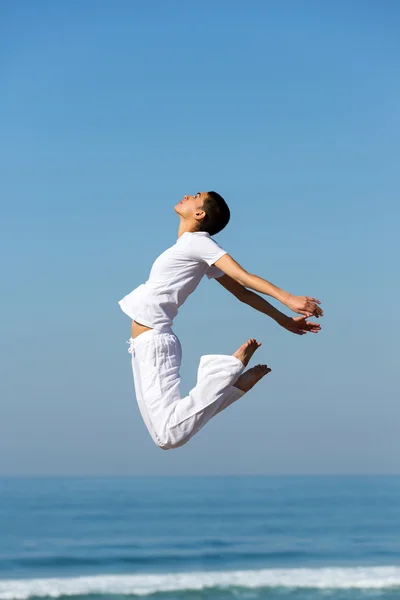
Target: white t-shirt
{"type": "Point", "coordinates": [175, 274]}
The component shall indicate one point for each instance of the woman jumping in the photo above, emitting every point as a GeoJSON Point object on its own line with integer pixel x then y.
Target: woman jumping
{"type": "Point", "coordinates": [156, 351]}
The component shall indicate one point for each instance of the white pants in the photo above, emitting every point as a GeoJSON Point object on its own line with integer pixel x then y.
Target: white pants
{"type": "Point", "coordinates": [170, 419]}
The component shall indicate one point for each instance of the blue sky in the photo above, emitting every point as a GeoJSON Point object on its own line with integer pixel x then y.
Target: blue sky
{"type": "Point", "coordinates": [110, 113]}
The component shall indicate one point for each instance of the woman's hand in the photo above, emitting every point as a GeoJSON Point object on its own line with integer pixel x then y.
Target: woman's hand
{"type": "Point", "coordinates": [299, 325]}
{"type": "Point", "coordinates": [304, 305]}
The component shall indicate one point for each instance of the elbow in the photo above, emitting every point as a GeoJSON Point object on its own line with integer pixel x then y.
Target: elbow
{"type": "Point", "coordinates": [244, 279]}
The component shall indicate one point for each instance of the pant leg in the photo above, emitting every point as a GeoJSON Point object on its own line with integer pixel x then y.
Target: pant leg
{"type": "Point", "coordinates": [171, 419]}
{"type": "Point", "coordinates": [156, 361]}
{"type": "Point", "coordinates": [144, 383]}
{"type": "Point", "coordinates": [230, 396]}
{"type": "Point", "coordinates": [214, 391]}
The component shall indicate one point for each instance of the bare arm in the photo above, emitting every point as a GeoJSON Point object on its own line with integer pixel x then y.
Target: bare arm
{"type": "Point", "coordinates": [297, 325]}
{"type": "Point", "coordinates": [250, 298]}
{"type": "Point", "coordinates": [304, 305]}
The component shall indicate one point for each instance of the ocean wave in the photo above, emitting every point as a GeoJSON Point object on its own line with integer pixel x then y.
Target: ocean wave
{"type": "Point", "coordinates": [142, 585]}
{"type": "Point", "coordinates": [153, 558]}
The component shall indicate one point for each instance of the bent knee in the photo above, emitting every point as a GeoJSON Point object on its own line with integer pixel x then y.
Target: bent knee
{"type": "Point", "coordinates": [164, 443]}
{"type": "Point", "coordinates": [169, 438]}
{"type": "Point", "coordinates": [169, 442]}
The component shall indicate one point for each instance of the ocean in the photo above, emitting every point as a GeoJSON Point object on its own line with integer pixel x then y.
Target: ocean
{"type": "Point", "coordinates": [197, 538]}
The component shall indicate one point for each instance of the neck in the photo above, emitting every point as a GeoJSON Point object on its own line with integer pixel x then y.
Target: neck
{"type": "Point", "coordinates": [185, 227]}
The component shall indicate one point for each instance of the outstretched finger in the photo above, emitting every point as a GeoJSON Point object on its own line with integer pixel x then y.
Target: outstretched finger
{"type": "Point", "coordinates": [313, 311]}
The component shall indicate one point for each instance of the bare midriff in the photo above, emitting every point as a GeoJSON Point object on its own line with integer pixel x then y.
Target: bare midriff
{"type": "Point", "coordinates": [138, 328]}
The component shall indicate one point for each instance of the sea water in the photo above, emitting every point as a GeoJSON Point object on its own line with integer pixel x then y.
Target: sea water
{"type": "Point", "coordinates": [200, 538]}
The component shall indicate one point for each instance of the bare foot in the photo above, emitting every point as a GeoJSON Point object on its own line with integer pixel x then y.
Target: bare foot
{"type": "Point", "coordinates": [247, 350]}
{"type": "Point", "coordinates": [250, 377]}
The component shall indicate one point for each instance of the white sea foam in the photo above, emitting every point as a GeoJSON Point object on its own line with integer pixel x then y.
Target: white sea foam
{"type": "Point", "coordinates": [323, 578]}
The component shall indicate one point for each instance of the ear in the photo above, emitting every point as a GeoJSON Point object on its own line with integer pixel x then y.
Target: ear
{"type": "Point", "coordinates": [200, 214]}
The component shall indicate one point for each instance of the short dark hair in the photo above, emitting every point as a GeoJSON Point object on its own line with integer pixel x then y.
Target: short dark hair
{"type": "Point", "coordinates": [217, 214]}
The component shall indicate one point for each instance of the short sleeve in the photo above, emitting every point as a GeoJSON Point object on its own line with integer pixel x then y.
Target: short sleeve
{"type": "Point", "coordinates": [205, 249]}
{"type": "Point", "coordinates": [214, 273]}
